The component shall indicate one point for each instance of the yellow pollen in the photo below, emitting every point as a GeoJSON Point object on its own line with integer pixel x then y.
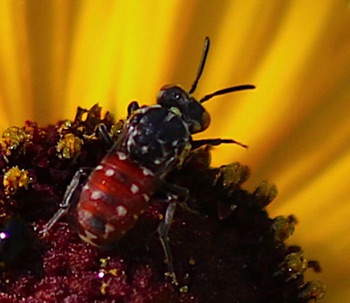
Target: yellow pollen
{"type": "Point", "coordinates": [14, 179]}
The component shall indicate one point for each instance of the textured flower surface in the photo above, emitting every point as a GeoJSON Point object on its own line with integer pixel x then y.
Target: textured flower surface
{"type": "Point", "coordinates": [225, 246]}
{"type": "Point", "coordinates": [57, 55]}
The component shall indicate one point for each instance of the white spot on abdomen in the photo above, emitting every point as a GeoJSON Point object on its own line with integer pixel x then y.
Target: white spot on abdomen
{"type": "Point", "coordinates": [109, 228]}
{"type": "Point", "coordinates": [121, 210]}
{"type": "Point", "coordinates": [121, 156]}
{"type": "Point", "coordinates": [109, 172]}
{"type": "Point", "coordinates": [134, 188]}
{"type": "Point", "coordinates": [96, 195]}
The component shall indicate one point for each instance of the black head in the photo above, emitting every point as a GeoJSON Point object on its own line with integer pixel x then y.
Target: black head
{"type": "Point", "coordinates": [193, 113]}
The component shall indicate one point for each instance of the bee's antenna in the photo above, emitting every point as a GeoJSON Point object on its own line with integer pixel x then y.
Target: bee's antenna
{"type": "Point", "coordinates": [201, 65]}
{"type": "Point", "coordinates": [226, 91]}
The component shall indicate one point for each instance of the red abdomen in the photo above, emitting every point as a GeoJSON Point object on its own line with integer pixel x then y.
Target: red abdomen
{"type": "Point", "coordinates": [116, 193]}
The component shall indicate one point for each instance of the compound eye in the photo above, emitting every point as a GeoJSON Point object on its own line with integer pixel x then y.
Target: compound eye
{"type": "Point", "coordinates": [171, 95]}
{"type": "Point", "coordinates": [198, 117]}
{"type": "Point", "coordinates": [205, 121]}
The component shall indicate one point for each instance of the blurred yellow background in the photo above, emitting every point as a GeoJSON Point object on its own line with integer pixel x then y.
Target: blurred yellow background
{"type": "Point", "coordinates": [58, 54]}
